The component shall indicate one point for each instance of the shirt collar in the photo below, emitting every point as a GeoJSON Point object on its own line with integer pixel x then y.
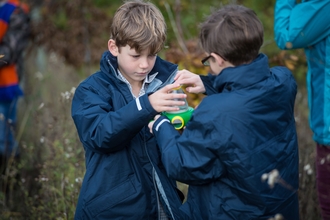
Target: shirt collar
{"type": "Point", "coordinates": [145, 83]}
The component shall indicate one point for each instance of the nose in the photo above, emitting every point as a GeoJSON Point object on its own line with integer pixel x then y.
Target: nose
{"type": "Point", "coordinates": [144, 63]}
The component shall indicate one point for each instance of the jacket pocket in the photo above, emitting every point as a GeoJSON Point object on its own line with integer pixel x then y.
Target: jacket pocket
{"type": "Point", "coordinates": [106, 201]}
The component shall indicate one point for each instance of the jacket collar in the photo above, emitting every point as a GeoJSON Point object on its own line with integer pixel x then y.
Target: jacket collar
{"type": "Point", "coordinates": [164, 68]}
{"type": "Point", "coordinates": [242, 76]}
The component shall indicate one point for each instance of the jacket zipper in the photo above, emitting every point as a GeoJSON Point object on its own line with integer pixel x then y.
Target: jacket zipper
{"type": "Point", "coordinates": [155, 183]}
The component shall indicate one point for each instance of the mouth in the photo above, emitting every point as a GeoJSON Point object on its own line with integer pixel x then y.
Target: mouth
{"type": "Point", "coordinates": [142, 74]}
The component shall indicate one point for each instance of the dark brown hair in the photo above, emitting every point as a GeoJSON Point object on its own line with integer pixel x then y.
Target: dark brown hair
{"type": "Point", "coordinates": [234, 32]}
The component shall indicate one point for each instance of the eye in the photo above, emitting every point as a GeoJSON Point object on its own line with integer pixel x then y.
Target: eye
{"type": "Point", "coordinates": [152, 55]}
{"type": "Point", "coordinates": [135, 56]}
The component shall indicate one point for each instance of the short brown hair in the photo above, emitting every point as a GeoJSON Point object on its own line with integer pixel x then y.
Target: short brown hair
{"type": "Point", "coordinates": [140, 25]}
{"type": "Point", "coordinates": [233, 32]}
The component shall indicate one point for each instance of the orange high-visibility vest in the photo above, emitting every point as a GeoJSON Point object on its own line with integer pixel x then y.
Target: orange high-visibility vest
{"type": "Point", "coordinates": [9, 81]}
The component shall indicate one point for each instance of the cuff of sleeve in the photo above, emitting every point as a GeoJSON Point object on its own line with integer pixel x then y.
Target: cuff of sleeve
{"type": "Point", "coordinates": [159, 122]}
{"type": "Point", "coordinates": [143, 102]}
{"type": "Point", "coordinates": [208, 84]}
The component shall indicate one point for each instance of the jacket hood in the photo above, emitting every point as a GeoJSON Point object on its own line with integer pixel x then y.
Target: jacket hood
{"type": "Point", "coordinates": [243, 75]}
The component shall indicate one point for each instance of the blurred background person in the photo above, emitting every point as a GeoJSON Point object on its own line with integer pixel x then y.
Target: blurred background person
{"type": "Point", "coordinates": [307, 25]}
{"type": "Point", "coordinates": [14, 36]}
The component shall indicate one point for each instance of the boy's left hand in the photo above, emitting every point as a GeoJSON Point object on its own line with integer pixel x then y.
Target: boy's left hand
{"type": "Point", "coordinates": [164, 100]}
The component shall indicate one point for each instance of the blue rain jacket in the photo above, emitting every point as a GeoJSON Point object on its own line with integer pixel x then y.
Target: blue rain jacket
{"type": "Point", "coordinates": [307, 25]}
{"type": "Point", "coordinates": [124, 176]}
{"type": "Point", "coordinates": [245, 130]}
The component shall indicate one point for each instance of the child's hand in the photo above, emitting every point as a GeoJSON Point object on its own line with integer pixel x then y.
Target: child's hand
{"type": "Point", "coordinates": [165, 100]}
{"type": "Point", "coordinates": [151, 123]}
{"type": "Point", "coordinates": [194, 82]}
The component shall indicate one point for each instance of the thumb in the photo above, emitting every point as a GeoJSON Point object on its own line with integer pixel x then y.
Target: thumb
{"type": "Point", "coordinates": [191, 89]}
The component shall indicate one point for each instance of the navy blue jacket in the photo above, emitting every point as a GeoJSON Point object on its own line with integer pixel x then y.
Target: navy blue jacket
{"type": "Point", "coordinates": [124, 175]}
{"type": "Point", "coordinates": [245, 130]}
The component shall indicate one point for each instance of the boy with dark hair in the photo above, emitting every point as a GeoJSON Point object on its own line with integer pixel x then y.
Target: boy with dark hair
{"type": "Point", "coordinates": [242, 133]}
{"type": "Point", "coordinates": [111, 109]}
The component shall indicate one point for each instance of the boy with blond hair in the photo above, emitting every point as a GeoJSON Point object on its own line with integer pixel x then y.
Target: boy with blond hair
{"type": "Point", "coordinates": [242, 132]}
{"type": "Point", "coordinates": [111, 109]}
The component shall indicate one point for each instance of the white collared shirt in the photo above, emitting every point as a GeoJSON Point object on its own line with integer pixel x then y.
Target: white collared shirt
{"type": "Point", "coordinates": [145, 83]}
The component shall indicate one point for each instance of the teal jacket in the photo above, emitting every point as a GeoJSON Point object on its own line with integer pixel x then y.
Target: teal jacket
{"type": "Point", "coordinates": [306, 25]}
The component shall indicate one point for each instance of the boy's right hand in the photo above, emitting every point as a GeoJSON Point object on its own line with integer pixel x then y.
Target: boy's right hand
{"type": "Point", "coordinates": [194, 82]}
{"type": "Point", "coordinates": [165, 100]}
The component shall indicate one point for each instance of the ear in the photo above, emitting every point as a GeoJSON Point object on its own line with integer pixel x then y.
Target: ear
{"type": "Point", "coordinates": [113, 47]}
{"type": "Point", "coordinates": [219, 60]}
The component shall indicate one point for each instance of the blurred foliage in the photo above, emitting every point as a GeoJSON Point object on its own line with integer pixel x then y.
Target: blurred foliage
{"type": "Point", "coordinates": [78, 30]}
{"type": "Point", "coordinates": [75, 29]}
{"type": "Point", "coordinates": [44, 183]}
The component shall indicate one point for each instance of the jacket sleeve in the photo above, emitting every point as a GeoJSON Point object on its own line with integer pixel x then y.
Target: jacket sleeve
{"type": "Point", "coordinates": [16, 38]}
{"type": "Point", "coordinates": [103, 127]}
{"type": "Point", "coordinates": [192, 157]}
{"type": "Point", "coordinates": [301, 25]}
{"type": "Point", "coordinates": [208, 84]}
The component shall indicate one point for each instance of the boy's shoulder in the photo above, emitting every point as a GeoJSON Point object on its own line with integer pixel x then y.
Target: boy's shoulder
{"type": "Point", "coordinates": [91, 78]}
{"type": "Point", "coordinates": [282, 72]}
{"type": "Point", "coordinates": [282, 69]}
{"type": "Point", "coordinates": [97, 81]}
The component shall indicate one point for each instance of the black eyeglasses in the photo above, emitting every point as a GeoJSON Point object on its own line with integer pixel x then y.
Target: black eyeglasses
{"type": "Point", "coordinates": [206, 62]}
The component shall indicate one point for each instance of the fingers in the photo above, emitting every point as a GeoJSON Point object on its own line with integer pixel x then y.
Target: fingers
{"type": "Point", "coordinates": [178, 74]}
{"type": "Point", "coordinates": [185, 77]}
{"type": "Point", "coordinates": [169, 88]}
{"type": "Point", "coordinates": [165, 100]}
{"type": "Point", "coordinates": [191, 89]}
{"type": "Point", "coordinates": [168, 105]}
{"type": "Point", "coordinates": [182, 77]}
{"type": "Point", "coordinates": [193, 81]}
{"type": "Point", "coordinates": [151, 123]}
